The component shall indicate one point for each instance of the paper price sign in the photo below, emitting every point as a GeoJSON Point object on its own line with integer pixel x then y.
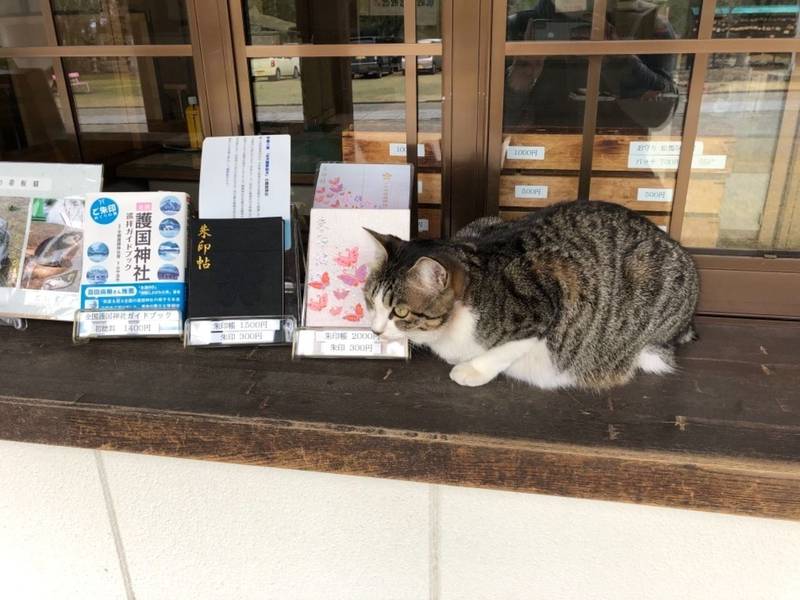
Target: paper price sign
{"type": "Point", "coordinates": [127, 323]}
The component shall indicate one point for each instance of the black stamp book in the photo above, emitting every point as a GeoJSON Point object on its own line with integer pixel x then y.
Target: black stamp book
{"type": "Point", "coordinates": [235, 268]}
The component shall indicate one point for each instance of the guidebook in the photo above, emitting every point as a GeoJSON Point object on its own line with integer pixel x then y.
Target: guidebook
{"type": "Point", "coordinates": [41, 237]}
{"type": "Point", "coordinates": [135, 251]}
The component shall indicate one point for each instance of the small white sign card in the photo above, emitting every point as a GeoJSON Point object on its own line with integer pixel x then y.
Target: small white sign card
{"type": "Point", "coordinates": [246, 177]}
{"type": "Point", "coordinates": [41, 237]}
{"type": "Point", "coordinates": [349, 185]}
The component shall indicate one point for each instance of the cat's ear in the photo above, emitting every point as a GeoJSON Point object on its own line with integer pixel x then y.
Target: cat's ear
{"type": "Point", "coordinates": [428, 274]}
{"type": "Point", "coordinates": [388, 242]}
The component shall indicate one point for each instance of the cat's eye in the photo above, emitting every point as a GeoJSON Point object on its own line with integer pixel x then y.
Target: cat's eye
{"type": "Point", "coordinates": [401, 312]}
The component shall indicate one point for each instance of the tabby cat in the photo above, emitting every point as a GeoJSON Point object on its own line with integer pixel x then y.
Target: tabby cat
{"type": "Point", "coordinates": [580, 294]}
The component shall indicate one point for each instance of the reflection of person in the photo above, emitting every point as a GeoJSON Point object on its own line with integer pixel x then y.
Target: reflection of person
{"type": "Point", "coordinates": [551, 91]}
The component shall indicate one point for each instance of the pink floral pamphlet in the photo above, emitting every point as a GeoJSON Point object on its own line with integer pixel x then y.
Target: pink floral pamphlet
{"type": "Point", "coordinates": [348, 185]}
{"type": "Point", "coordinates": [340, 256]}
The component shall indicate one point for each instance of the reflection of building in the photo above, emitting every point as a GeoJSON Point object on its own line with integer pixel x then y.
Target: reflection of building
{"type": "Point", "coordinates": [771, 20]}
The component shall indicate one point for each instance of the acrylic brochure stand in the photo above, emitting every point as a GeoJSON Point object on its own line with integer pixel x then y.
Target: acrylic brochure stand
{"type": "Point", "coordinates": [18, 324]}
{"type": "Point", "coordinates": [354, 187]}
{"type": "Point", "coordinates": [266, 330]}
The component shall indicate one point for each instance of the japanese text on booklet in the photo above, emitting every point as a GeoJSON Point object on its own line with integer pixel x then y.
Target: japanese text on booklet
{"type": "Point", "coordinates": [135, 251]}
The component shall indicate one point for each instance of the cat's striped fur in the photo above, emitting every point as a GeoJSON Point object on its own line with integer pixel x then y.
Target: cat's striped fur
{"type": "Point", "coordinates": [581, 294]}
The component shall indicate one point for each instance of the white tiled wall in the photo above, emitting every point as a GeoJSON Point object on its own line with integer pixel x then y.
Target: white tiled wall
{"type": "Point", "coordinates": [90, 525]}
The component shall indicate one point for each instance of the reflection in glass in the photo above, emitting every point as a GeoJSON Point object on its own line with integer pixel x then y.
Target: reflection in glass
{"type": "Point", "coordinates": [429, 20]}
{"type": "Point", "coordinates": [643, 93]}
{"type": "Point", "coordinates": [126, 105]}
{"type": "Point", "coordinates": [270, 22]}
{"type": "Point", "coordinates": [640, 115]}
{"type": "Point", "coordinates": [429, 166]}
{"type": "Point", "coordinates": [31, 123]}
{"type": "Point", "coordinates": [544, 93]}
{"type": "Point", "coordinates": [762, 19]}
{"type": "Point", "coordinates": [542, 131]}
{"type": "Point", "coordinates": [546, 20]}
{"type": "Point", "coordinates": [649, 20]}
{"type": "Point", "coordinates": [534, 20]}
{"type": "Point", "coordinates": [21, 24]}
{"type": "Point", "coordinates": [92, 22]}
{"type": "Point", "coordinates": [332, 110]}
{"type": "Point", "coordinates": [743, 191]}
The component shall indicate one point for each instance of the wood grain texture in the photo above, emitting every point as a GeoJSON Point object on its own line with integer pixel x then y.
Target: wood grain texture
{"type": "Point", "coordinates": [434, 218]}
{"type": "Point", "coordinates": [373, 147]}
{"type": "Point", "coordinates": [429, 186]}
{"type": "Point", "coordinates": [723, 434]}
{"type": "Point", "coordinates": [559, 189]}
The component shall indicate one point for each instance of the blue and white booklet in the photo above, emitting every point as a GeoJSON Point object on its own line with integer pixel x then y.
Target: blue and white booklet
{"type": "Point", "coordinates": [135, 251]}
{"type": "Point", "coordinates": [41, 237]}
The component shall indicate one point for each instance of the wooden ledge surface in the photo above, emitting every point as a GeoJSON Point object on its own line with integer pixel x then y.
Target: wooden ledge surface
{"type": "Point", "coordinates": [722, 434]}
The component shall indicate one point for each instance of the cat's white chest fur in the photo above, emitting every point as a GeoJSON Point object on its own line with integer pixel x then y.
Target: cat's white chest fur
{"type": "Point", "coordinates": [457, 342]}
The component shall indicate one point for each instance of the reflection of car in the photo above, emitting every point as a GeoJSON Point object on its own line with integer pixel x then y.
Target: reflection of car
{"type": "Point", "coordinates": [276, 68]}
{"type": "Point", "coordinates": [427, 64]}
{"type": "Point", "coordinates": [373, 66]}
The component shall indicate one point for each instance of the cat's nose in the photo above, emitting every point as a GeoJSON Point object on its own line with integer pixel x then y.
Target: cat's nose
{"type": "Point", "coordinates": [377, 332]}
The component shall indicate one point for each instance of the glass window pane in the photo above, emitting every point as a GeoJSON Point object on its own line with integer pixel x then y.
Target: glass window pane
{"type": "Point", "coordinates": [99, 22]}
{"type": "Point", "coordinates": [542, 130]}
{"type": "Point", "coordinates": [323, 21]}
{"type": "Point", "coordinates": [32, 125]}
{"type": "Point", "coordinates": [429, 166]}
{"type": "Point", "coordinates": [743, 186]}
{"type": "Point", "coordinates": [429, 20]}
{"type": "Point", "coordinates": [640, 115]}
{"type": "Point", "coordinates": [762, 19]}
{"type": "Point", "coordinates": [21, 24]}
{"type": "Point", "coordinates": [643, 20]}
{"type": "Point", "coordinates": [336, 109]}
{"type": "Point", "coordinates": [535, 20]}
{"type": "Point", "coordinates": [129, 107]}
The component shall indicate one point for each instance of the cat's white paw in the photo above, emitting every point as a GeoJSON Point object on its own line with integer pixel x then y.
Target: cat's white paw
{"type": "Point", "coordinates": [465, 374]}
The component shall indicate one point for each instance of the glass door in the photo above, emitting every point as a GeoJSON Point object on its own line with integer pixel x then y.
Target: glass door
{"type": "Point", "coordinates": [350, 80]}
{"type": "Point", "coordinates": [685, 111]}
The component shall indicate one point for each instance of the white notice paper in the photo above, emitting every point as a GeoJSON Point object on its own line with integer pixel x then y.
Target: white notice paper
{"type": "Point", "coordinates": [247, 177]}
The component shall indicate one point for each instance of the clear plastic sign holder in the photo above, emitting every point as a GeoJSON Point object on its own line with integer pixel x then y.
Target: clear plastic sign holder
{"type": "Point", "coordinates": [344, 342]}
{"type": "Point", "coordinates": [18, 324]}
{"type": "Point", "coordinates": [107, 324]}
{"type": "Point", "coordinates": [313, 342]}
{"type": "Point", "coordinates": [267, 330]}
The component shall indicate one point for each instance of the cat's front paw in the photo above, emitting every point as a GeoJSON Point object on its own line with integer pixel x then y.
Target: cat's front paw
{"type": "Point", "coordinates": [465, 374]}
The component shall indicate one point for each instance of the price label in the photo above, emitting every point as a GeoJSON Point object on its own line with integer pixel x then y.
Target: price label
{"type": "Point", "coordinates": [709, 161]}
{"type": "Point", "coordinates": [525, 153]}
{"type": "Point", "coordinates": [654, 195]}
{"type": "Point", "coordinates": [530, 191]}
{"type": "Point", "coordinates": [399, 149]}
{"type": "Point", "coordinates": [238, 332]}
{"type": "Point", "coordinates": [127, 323]}
{"type": "Point", "coordinates": [355, 343]}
